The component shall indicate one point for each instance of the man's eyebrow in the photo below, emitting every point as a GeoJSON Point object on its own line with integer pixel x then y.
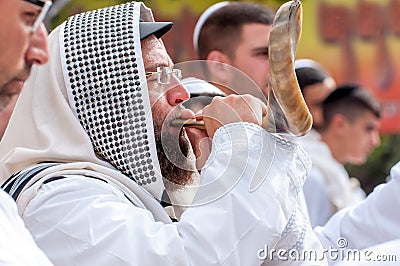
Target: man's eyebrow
{"type": "Point", "coordinates": [38, 3]}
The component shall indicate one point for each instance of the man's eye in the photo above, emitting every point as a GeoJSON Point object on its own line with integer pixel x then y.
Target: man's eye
{"type": "Point", "coordinates": [262, 53]}
{"type": "Point", "coordinates": [30, 17]}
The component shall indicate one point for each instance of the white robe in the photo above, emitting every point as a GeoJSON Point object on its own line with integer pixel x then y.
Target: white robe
{"type": "Point", "coordinates": [328, 188]}
{"type": "Point", "coordinates": [85, 221]}
{"type": "Point", "coordinates": [373, 221]}
{"type": "Point", "coordinates": [17, 246]}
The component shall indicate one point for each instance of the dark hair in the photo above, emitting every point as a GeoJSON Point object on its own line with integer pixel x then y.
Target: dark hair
{"type": "Point", "coordinates": [309, 72]}
{"type": "Point", "coordinates": [222, 29]}
{"type": "Point", "coordinates": [349, 100]}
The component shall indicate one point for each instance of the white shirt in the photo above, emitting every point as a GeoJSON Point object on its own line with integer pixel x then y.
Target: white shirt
{"type": "Point", "coordinates": [320, 208]}
{"type": "Point", "coordinates": [328, 187]}
{"type": "Point", "coordinates": [372, 222]}
{"type": "Point", "coordinates": [17, 246]}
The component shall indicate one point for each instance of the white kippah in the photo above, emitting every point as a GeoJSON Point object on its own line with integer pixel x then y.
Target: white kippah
{"type": "Point", "coordinates": [202, 19]}
{"type": "Point", "coordinates": [307, 63]}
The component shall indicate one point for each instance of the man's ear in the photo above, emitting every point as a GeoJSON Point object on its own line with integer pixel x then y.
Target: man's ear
{"type": "Point", "coordinates": [218, 65]}
{"type": "Point", "coordinates": [339, 124]}
{"type": "Point", "coordinates": [218, 56]}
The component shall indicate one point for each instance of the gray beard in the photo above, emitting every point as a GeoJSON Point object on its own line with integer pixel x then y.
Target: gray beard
{"type": "Point", "coordinates": [174, 171]}
{"type": "Point", "coordinates": [4, 99]}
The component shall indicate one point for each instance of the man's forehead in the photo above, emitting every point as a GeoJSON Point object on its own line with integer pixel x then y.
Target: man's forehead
{"type": "Point", "coordinates": [255, 36]}
{"type": "Point", "coordinates": [154, 54]}
{"type": "Point", "coordinates": [251, 28]}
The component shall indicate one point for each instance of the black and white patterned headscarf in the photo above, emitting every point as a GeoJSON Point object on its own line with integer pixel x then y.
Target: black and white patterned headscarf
{"type": "Point", "coordinates": [108, 89]}
{"type": "Point", "coordinates": [90, 102]}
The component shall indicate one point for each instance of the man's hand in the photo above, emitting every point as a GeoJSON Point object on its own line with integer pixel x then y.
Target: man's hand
{"type": "Point", "coordinates": [233, 108]}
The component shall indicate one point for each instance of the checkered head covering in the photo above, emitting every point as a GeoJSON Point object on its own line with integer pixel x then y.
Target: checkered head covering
{"type": "Point", "coordinates": [90, 102]}
{"type": "Point", "coordinates": [108, 88]}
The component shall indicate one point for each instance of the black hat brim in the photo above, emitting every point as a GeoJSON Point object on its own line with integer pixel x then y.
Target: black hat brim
{"type": "Point", "coordinates": [154, 28]}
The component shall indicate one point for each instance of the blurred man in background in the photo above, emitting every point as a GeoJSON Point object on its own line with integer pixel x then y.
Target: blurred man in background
{"type": "Point", "coordinates": [349, 133]}
{"type": "Point", "coordinates": [236, 35]}
{"type": "Point", "coordinates": [315, 84]}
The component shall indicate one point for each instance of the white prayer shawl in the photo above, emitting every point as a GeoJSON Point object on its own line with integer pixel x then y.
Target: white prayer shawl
{"type": "Point", "coordinates": [100, 212]}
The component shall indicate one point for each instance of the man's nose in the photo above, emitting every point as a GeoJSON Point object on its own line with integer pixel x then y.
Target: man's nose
{"type": "Point", "coordinates": [376, 140]}
{"type": "Point", "coordinates": [177, 94]}
{"type": "Point", "coordinates": [38, 51]}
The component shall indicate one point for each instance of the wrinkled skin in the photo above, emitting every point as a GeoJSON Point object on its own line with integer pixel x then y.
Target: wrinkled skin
{"type": "Point", "coordinates": [167, 99]}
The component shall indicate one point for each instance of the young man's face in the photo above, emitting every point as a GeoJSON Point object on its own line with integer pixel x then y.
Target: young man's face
{"type": "Point", "coordinates": [360, 138]}
{"type": "Point", "coordinates": [251, 55]}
